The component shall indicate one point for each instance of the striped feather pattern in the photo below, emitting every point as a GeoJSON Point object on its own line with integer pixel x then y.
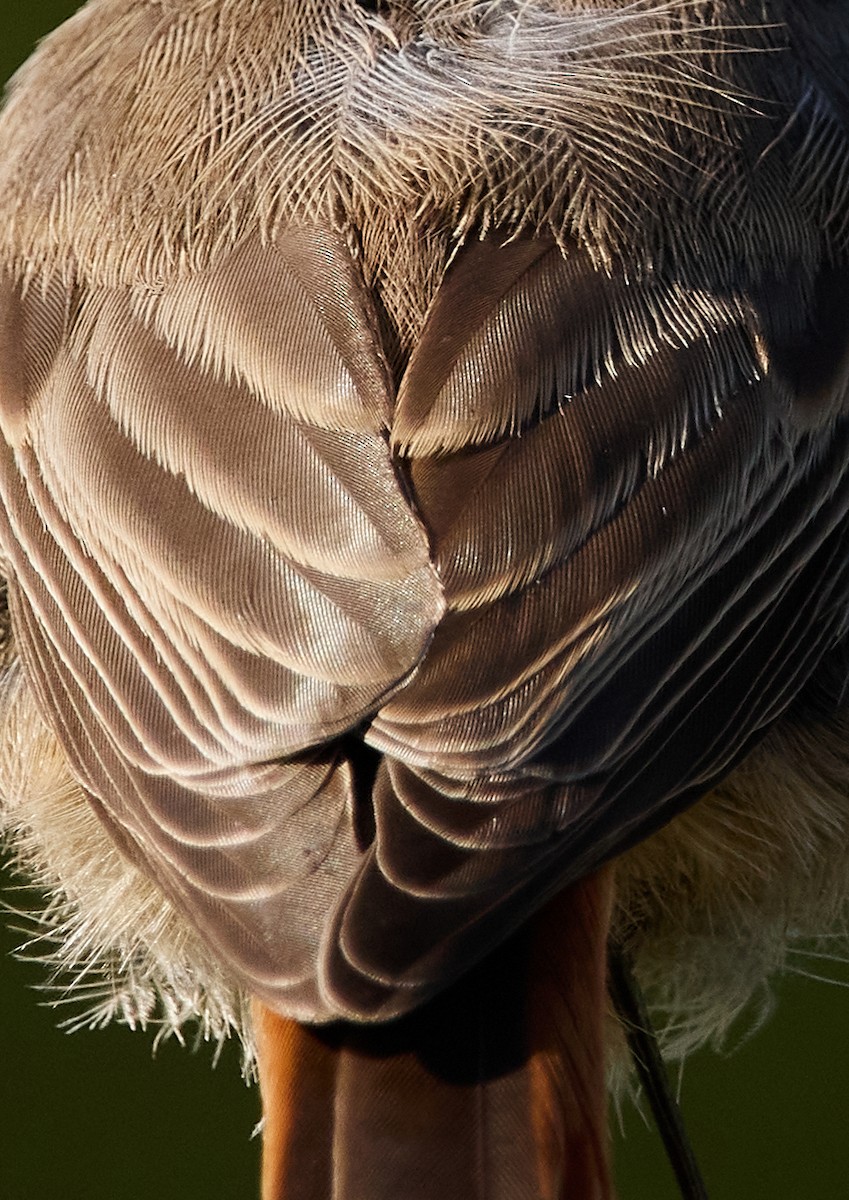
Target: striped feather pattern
{"type": "Point", "coordinates": [167, 525]}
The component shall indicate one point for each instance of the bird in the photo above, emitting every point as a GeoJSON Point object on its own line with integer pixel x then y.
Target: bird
{"type": "Point", "coordinates": [423, 511]}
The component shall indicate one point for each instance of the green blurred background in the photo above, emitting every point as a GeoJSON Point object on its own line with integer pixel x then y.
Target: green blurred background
{"type": "Point", "coordinates": [98, 1116]}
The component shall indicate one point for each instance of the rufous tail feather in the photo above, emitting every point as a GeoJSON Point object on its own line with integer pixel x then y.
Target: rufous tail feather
{"type": "Point", "coordinates": [492, 1091]}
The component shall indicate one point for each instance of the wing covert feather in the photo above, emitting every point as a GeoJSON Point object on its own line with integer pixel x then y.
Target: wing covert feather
{"type": "Point", "coordinates": [623, 623]}
{"type": "Point", "coordinates": [190, 628]}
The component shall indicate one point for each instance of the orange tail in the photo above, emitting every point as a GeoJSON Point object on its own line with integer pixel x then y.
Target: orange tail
{"type": "Point", "coordinates": [494, 1090]}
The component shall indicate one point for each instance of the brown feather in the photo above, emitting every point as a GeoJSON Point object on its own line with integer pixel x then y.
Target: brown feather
{"type": "Point", "coordinates": [423, 476]}
{"type": "Point", "coordinates": [567, 1007]}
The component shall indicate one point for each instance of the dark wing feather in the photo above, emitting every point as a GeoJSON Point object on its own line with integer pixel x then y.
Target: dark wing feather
{"type": "Point", "coordinates": [639, 581]}
{"type": "Point", "coordinates": [192, 631]}
{"type": "Point", "coordinates": [638, 530]}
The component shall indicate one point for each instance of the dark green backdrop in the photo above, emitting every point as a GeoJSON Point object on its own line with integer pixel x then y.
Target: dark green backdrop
{"type": "Point", "coordinates": [97, 1117]}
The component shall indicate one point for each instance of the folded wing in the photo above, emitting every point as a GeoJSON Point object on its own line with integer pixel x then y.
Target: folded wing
{"type": "Point", "coordinates": [363, 668]}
